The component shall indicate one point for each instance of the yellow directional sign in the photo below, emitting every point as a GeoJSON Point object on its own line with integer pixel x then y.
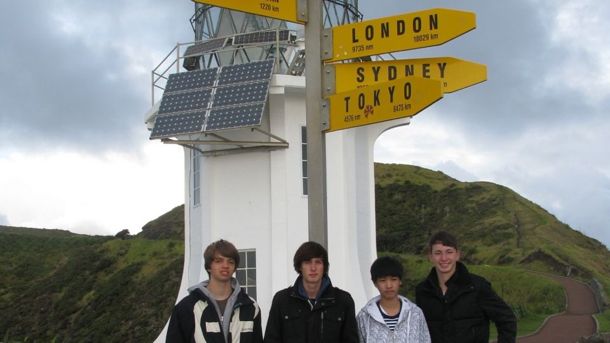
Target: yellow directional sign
{"type": "Point", "coordinates": [381, 102]}
{"type": "Point", "coordinates": [289, 10]}
{"type": "Point", "coordinates": [396, 33]}
{"type": "Point", "coordinates": [455, 74]}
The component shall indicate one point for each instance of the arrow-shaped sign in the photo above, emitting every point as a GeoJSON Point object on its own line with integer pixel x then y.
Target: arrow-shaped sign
{"type": "Point", "coordinates": [290, 10]}
{"type": "Point", "coordinates": [396, 33]}
{"type": "Point", "coordinates": [454, 74]}
{"type": "Point", "coordinates": [381, 102]}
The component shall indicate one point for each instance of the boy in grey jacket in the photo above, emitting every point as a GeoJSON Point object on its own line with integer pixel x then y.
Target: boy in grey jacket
{"type": "Point", "coordinates": [390, 317]}
{"type": "Point", "coordinates": [217, 310]}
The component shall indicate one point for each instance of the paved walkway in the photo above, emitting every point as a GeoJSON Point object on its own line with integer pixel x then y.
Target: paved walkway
{"type": "Point", "coordinates": [575, 322]}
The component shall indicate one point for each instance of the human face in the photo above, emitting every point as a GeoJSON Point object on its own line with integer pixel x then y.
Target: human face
{"type": "Point", "coordinates": [388, 287]}
{"type": "Point", "coordinates": [221, 268]}
{"type": "Point", "coordinates": [444, 259]}
{"type": "Point", "coordinates": [312, 270]}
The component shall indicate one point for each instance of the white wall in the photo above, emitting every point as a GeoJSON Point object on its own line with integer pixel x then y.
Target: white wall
{"type": "Point", "coordinates": [351, 207]}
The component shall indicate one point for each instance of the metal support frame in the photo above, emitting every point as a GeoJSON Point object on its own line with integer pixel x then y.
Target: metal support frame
{"type": "Point", "coordinates": [244, 146]}
{"type": "Point", "coordinates": [221, 140]}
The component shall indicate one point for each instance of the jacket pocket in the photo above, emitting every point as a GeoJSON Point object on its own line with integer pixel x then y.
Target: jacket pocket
{"type": "Point", "coordinates": [294, 324]}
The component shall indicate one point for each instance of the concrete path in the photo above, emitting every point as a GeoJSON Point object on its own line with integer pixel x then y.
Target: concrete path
{"type": "Point", "coordinates": [575, 322]}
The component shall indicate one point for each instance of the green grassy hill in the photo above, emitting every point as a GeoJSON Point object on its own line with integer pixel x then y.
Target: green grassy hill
{"type": "Point", "coordinates": [495, 225]}
{"type": "Point", "coordinates": [63, 287]}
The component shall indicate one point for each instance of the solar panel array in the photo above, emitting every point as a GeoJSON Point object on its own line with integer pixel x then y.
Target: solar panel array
{"type": "Point", "coordinates": [214, 99]}
{"type": "Point", "coordinates": [202, 47]}
{"type": "Point", "coordinates": [269, 36]}
{"type": "Point", "coordinates": [262, 37]}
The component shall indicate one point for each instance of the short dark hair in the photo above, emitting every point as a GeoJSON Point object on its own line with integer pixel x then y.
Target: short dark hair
{"type": "Point", "coordinates": [444, 238]}
{"type": "Point", "coordinates": [306, 252]}
{"type": "Point", "coordinates": [386, 266]}
{"type": "Point", "coordinates": [222, 247]}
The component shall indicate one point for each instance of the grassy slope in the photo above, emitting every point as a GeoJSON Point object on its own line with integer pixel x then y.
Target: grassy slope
{"type": "Point", "coordinates": [75, 288]}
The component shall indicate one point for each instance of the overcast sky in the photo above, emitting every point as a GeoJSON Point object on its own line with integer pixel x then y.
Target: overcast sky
{"type": "Point", "coordinates": [75, 154]}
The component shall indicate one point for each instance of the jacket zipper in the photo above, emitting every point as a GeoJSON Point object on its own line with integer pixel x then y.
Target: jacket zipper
{"type": "Point", "coordinates": [322, 326]}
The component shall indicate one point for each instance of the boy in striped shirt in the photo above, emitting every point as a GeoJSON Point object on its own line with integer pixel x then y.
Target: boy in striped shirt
{"type": "Point", "coordinates": [390, 317]}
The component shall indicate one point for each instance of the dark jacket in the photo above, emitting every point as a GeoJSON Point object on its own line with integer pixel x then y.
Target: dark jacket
{"type": "Point", "coordinates": [462, 315]}
{"type": "Point", "coordinates": [330, 320]}
{"type": "Point", "coordinates": [196, 318]}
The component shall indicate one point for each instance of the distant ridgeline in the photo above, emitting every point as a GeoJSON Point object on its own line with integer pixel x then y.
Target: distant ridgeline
{"type": "Point", "coordinates": [57, 285]}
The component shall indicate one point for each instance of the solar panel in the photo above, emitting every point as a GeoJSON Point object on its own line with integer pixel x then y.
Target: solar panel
{"type": "Point", "coordinates": [181, 102]}
{"type": "Point", "coordinates": [191, 80]}
{"type": "Point", "coordinates": [253, 71]}
{"type": "Point", "coordinates": [232, 97]}
{"type": "Point", "coordinates": [171, 125]}
{"type": "Point", "coordinates": [200, 48]}
{"type": "Point", "coordinates": [235, 117]}
{"type": "Point", "coordinates": [262, 37]}
{"type": "Point", "coordinates": [241, 94]}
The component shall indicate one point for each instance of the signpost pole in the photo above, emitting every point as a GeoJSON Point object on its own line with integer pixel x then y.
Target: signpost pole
{"type": "Point", "coordinates": [316, 144]}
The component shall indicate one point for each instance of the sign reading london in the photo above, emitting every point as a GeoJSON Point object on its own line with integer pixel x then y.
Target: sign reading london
{"type": "Point", "coordinates": [454, 74]}
{"type": "Point", "coordinates": [396, 33]}
{"type": "Point", "coordinates": [290, 10]}
{"type": "Point", "coordinates": [381, 102]}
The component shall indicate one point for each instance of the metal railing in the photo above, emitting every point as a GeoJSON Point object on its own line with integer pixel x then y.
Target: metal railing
{"type": "Point", "coordinates": [282, 51]}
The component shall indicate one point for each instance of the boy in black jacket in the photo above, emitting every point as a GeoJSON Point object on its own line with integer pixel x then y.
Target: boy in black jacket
{"type": "Point", "coordinates": [217, 310]}
{"type": "Point", "coordinates": [312, 310]}
{"type": "Point", "coordinates": [458, 305]}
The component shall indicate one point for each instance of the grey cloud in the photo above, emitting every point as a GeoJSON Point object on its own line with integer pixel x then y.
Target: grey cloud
{"type": "Point", "coordinates": [579, 196]}
{"type": "Point", "coordinates": [60, 90]}
{"type": "Point", "coordinates": [513, 40]}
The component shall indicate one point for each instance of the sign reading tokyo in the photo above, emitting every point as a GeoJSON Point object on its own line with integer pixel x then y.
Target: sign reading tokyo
{"type": "Point", "coordinates": [396, 33]}
{"type": "Point", "coordinates": [290, 10]}
{"type": "Point", "coordinates": [381, 102]}
{"type": "Point", "coordinates": [454, 73]}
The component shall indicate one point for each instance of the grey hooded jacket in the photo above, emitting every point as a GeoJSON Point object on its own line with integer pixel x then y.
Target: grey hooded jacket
{"type": "Point", "coordinates": [411, 326]}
